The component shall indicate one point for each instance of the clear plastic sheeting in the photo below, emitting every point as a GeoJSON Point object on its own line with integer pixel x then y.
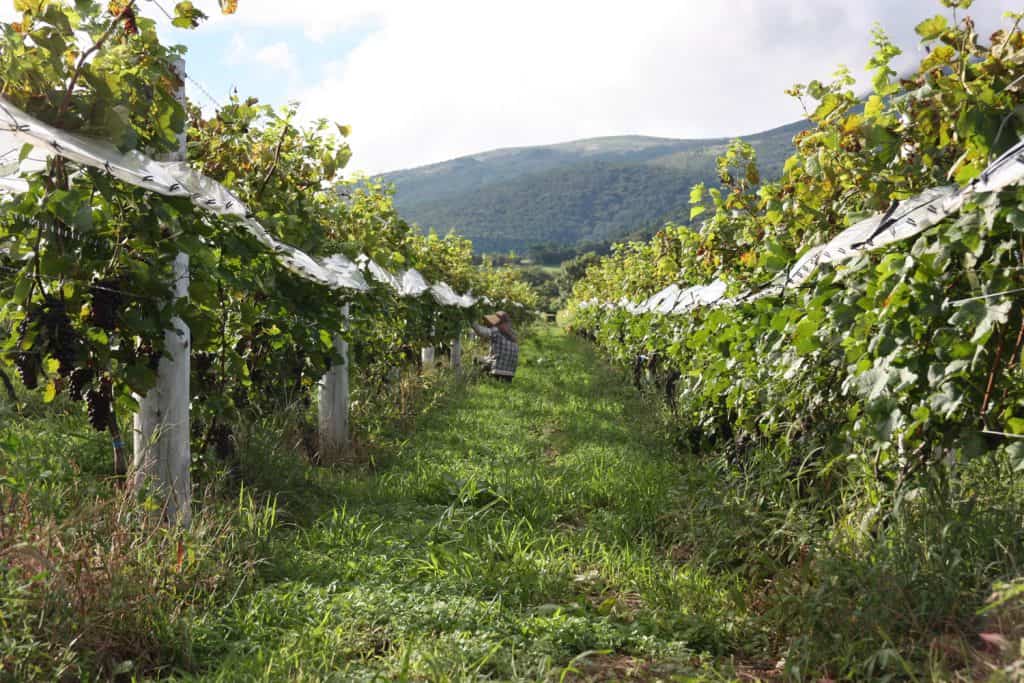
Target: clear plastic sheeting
{"type": "Point", "coordinates": [666, 298]}
{"type": "Point", "coordinates": [902, 221]}
{"type": "Point", "coordinates": [412, 283]}
{"type": "Point", "coordinates": [133, 167]}
{"type": "Point", "coordinates": [206, 192]}
{"type": "Point", "coordinates": [173, 179]}
{"type": "Point", "coordinates": [668, 302]}
{"type": "Point", "coordinates": [701, 295]}
{"type": "Point", "coordinates": [11, 161]}
{"type": "Point", "coordinates": [764, 293]}
{"type": "Point", "coordinates": [907, 219]}
{"type": "Point", "coordinates": [446, 296]}
{"type": "Point", "coordinates": [346, 273]}
{"type": "Point", "coordinates": [1007, 170]}
{"type": "Point", "coordinates": [382, 276]}
{"type": "Point", "coordinates": [801, 270]}
{"type": "Point", "coordinates": [13, 185]}
{"type": "Point", "coordinates": [13, 166]}
{"type": "Point", "coordinates": [178, 179]}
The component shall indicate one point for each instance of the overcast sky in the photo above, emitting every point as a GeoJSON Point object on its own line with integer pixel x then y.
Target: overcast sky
{"type": "Point", "coordinates": [424, 81]}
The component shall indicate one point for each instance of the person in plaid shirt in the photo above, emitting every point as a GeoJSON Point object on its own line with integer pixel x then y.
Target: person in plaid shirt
{"type": "Point", "coordinates": [504, 356]}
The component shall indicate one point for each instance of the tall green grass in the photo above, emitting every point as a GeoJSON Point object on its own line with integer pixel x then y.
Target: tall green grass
{"type": "Point", "coordinates": [551, 529]}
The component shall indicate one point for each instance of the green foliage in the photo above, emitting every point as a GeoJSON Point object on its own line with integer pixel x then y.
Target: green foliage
{"type": "Point", "coordinates": [877, 358]}
{"type": "Point", "coordinates": [888, 372]}
{"type": "Point", "coordinates": [86, 267]}
{"type": "Point", "coordinates": [543, 281]}
{"type": "Point", "coordinates": [83, 280]}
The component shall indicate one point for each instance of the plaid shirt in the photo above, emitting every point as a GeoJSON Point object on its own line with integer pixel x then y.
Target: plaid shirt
{"type": "Point", "coordinates": [504, 356]}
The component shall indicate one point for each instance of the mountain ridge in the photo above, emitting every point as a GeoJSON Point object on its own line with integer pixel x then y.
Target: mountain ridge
{"type": "Point", "coordinates": [592, 189]}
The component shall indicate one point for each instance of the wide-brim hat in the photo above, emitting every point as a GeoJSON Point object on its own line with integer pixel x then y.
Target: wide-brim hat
{"type": "Point", "coordinates": [496, 318]}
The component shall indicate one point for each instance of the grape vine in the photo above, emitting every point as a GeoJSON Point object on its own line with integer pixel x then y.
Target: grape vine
{"type": "Point", "coordinates": [898, 363]}
{"type": "Point", "coordinates": [86, 261]}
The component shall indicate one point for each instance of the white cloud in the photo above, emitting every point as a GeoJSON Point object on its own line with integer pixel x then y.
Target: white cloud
{"type": "Point", "coordinates": [276, 56]}
{"type": "Point", "coordinates": [237, 51]}
{"type": "Point", "coordinates": [438, 80]}
{"type": "Point", "coordinates": [434, 80]}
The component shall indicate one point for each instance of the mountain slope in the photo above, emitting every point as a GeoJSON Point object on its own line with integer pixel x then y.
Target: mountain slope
{"type": "Point", "coordinates": [586, 190]}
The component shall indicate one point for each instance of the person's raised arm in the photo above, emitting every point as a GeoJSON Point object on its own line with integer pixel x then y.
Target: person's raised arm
{"type": "Point", "coordinates": [481, 331]}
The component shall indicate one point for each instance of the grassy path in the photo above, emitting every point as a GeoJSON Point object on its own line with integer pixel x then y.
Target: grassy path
{"type": "Point", "coordinates": [518, 528]}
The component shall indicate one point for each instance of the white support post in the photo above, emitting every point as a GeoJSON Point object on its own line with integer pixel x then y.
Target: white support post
{"type": "Point", "coordinates": [333, 399]}
{"type": "Point", "coordinates": [427, 353]}
{"type": "Point", "coordinates": [457, 352]}
{"type": "Point", "coordinates": [162, 429]}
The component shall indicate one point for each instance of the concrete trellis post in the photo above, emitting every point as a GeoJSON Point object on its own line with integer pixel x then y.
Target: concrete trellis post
{"type": "Point", "coordinates": [333, 398]}
{"type": "Point", "coordinates": [162, 425]}
{"type": "Point", "coordinates": [457, 352]}
{"type": "Point", "coordinates": [427, 353]}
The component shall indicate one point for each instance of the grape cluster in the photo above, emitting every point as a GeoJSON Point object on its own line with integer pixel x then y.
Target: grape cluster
{"type": "Point", "coordinates": [141, 351]}
{"type": "Point", "coordinates": [221, 439]}
{"type": "Point", "coordinates": [59, 339]}
{"type": "Point", "coordinates": [79, 379]}
{"type": "Point", "coordinates": [203, 368]}
{"type": "Point", "coordinates": [105, 312]}
{"type": "Point", "coordinates": [98, 403]}
{"type": "Point", "coordinates": [28, 367]}
{"type": "Point", "coordinates": [67, 357]}
{"type": "Point", "coordinates": [46, 331]}
{"type": "Point", "coordinates": [202, 362]}
{"type": "Point", "coordinates": [130, 27]}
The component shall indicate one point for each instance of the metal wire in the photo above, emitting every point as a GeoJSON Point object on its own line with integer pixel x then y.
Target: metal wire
{"type": "Point", "coordinates": [93, 285]}
{"type": "Point", "coordinates": [161, 8]}
{"type": "Point", "coordinates": [197, 84]}
{"type": "Point", "coordinates": [1002, 434]}
{"type": "Point", "coordinates": [204, 91]}
{"type": "Point", "coordinates": [961, 302]}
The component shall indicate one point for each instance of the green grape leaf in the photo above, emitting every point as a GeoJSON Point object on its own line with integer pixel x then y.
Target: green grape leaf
{"type": "Point", "coordinates": [933, 28]}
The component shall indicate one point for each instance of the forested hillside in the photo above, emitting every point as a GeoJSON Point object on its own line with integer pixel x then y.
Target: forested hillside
{"type": "Point", "coordinates": [587, 190]}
